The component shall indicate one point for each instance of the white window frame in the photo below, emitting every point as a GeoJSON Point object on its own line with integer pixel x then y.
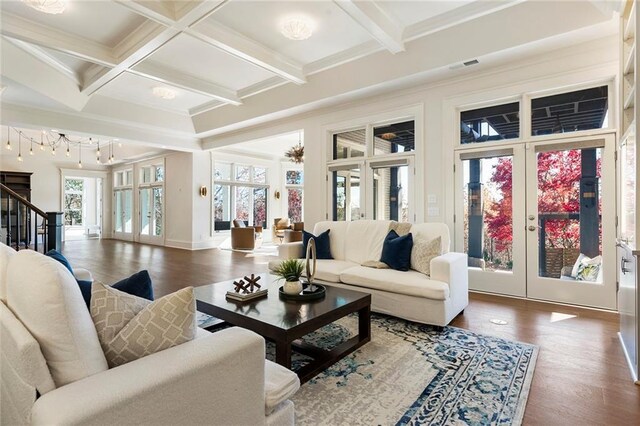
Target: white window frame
{"type": "Point", "coordinates": [288, 167]}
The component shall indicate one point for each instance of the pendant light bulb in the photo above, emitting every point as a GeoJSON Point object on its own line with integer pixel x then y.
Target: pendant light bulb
{"type": "Point", "coordinates": [31, 151]}
{"type": "Point", "coordinates": [53, 151]}
{"type": "Point", "coordinates": [20, 157]}
{"type": "Point", "coordinates": [68, 152]}
{"type": "Point", "coordinates": [79, 164]}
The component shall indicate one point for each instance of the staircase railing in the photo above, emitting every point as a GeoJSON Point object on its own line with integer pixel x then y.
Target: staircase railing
{"type": "Point", "coordinates": [16, 220]}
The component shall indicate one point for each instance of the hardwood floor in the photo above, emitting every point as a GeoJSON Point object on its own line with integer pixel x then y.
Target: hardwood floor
{"type": "Point", "coordinates": [581, 376]}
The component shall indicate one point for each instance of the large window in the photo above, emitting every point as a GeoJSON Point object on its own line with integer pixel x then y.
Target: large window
{"type": "Point", "coordinates": [371, 174]}
{"type": "Point", "coordinates": [240, 192]}
{"type": "Point", "coordinates": [490, 124]}
{"type": "Point", "coordinates": [294, 183]}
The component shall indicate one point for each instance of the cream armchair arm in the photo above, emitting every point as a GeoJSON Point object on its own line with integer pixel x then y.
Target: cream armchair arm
{"type": "Point", "coordinates": [453, 269]}
{"type": "Point", "coordinates": [217, 379]}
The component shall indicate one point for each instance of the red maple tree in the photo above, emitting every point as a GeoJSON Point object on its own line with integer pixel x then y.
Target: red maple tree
{"type": "Point", "coordinates": [558, 192]}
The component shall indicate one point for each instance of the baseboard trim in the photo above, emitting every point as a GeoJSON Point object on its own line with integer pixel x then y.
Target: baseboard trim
{"type": "Point", "coordinates": [634, 376]}
{"type": "Point", "coordinates": [188, 245]}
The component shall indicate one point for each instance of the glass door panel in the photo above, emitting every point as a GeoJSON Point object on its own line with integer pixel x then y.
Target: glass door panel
{"type": "Point", "coordinates": [127, 210]}
{"type": "Point", "coordinates": [145, 211]}
{"type": "Point", "coordinates": [567, 186]}
{"type": "Point", "coordinates": [348, 193]}
{"type": "Point", "coordinates": [490, 224]}
{"type": "Point", "coordinates": [123, 214]}
{"type": "Point", "coordinates": [156, 229]}
{"type": "Point", "coordinates": [391, 193]}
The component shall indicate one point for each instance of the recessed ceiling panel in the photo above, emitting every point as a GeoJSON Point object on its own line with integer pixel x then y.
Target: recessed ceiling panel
{"type": "Point", "coordinates": [76, 65]}
{"type": "Point", "coordinates": [333, 30]}
{"type": "Point", "coordinates": [411, 12]}
{"type": "Point", "coordinates": [103, 22]}
{"type": "Point", "coordinates": [136, 89]}
{"type": "Point", "coordinates": [194, 57]}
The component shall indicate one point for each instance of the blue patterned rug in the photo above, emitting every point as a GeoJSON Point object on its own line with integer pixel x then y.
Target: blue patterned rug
{"type": "Point", "coordinates": [412, 374]}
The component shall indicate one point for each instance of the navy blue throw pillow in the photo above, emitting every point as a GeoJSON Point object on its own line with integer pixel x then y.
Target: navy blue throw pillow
{"type": "Point", "coordinates": [138, 284]}
{"type": "Point", "coordinates": [55, 254]}
{"type": "Point", "coordinates": [323, 244]}
{"type": "Point", "coordinates": [396, 251]}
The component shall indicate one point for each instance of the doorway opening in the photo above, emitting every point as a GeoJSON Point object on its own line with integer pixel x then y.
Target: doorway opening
{"type": "Point", "coordinates": [82, 208]}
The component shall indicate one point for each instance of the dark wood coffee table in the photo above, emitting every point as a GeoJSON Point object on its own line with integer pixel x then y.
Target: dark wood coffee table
{"type": "Point", "coordinates": [284, 322]}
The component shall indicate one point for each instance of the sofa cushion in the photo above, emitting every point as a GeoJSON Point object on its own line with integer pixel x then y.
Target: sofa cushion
{"type": "Point", "coordinates": [430, 231]}
{"type": "Point", "coordinates": [364, 240]}
{"type": "Point", "coordinates": [330, 270]}
{"type": "Point", "coordinates": [396, 251]}
{"type": "Point", "coordinates": [131, 327]}
{"type": "Point", "coordinates": [337, 236]}
{"type": "Point", "coordinates": [422, 253]}
{"type": "Point", "coordinates": [280, 384]}
{"type": "Point", "coordinates": [6, 253]}
{"type": "Point", "coordinates": [411, 283]}
{"type": "Point", "coordinates": [47, 300]}
{"type": "Point", "coordinates": [323, 244]}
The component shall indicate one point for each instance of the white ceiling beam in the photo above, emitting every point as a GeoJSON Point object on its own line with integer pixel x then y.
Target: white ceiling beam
{"type": "Point", "coordinates": [21, 29]}
{"type": "Point", "coordinates": [24, 69]}
{"type": "Point", "coordinates": [168, 76]}
{"type": "Point", "coordinates": [144, 42]}
{"type": "Point", "coordinates": [376, 22]}
{"type": "Point", "coordinates": [48, 59]}
{"type": "Point", "coordinates": [247, 49]}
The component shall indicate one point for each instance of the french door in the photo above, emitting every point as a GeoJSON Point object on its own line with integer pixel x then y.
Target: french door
{"type": "Point", "coordinates": [152, 215]}
{"type": "Point", "coordinates": [531, 219]}
{"type": "Point", "coordinates": [123, 214]}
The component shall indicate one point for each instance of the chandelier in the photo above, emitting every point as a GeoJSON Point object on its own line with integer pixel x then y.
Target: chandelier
{"type": "Point", "coordinates": [295, 154]}
{"type": "Point", "coordinates": [55, 141]}
{"type": "Point", "coordinates": [52, 7]}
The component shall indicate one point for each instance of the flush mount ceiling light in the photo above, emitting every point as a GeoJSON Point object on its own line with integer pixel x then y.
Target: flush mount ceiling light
{"type": "Point", "coordinates": [164, 92]}
{"type": "Point", "coordinates": [53, 7]}
{"type": "Point", "coordinates": [296, 29]}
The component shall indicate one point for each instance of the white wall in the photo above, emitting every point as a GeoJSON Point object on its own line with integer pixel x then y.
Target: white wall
{"type": "Point", "coordinates": [595, 61]}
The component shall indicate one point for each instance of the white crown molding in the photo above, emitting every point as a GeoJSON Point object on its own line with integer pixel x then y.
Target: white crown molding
{"type": "Point", "coordinates": [456, 16]}
{"type": "Point", "coordinates": [157, 11]}
{"type": "Point", "coordinates": [166, 75]}
{"type": "Point", "coordinates": [247, 49]}
{"type": "Point", "coordinates": [348, 55]}
{"type": "Point", "coordinates": [376, 22]}
{"type": "Point", "coordinates": [21, 29]}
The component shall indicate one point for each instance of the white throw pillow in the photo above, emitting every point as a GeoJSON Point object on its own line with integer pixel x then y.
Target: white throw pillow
{"type": "Point", "coordinates": [130, 327]}
{"type": "Point", "coordinates": [589, 269]}
{"type": "Point", "coordinates": [47, 300]}
{"type": "Point", "coordinates": [422, 252]}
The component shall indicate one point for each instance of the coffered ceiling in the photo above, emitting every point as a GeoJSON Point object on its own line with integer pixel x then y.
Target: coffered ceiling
{"type": "Point", "coordinates": [228, 63]}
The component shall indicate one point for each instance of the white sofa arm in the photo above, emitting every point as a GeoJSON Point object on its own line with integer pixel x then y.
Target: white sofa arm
{"type": "Point", "coordinates": [290, 251]}
{"type": "Point", "coordinates": [82, 274]}
{"type": "Point", "coordinates": [218, 379]}
{"type": "Point", "coordinates": [452, 268]}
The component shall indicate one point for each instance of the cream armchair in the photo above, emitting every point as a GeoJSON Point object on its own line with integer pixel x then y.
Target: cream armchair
{"type": "Point", "coordinates": [218, 378]}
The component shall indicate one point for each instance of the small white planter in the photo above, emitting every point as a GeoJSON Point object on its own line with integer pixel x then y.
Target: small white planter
{"type": "Point", "coordinates": [292, 287]}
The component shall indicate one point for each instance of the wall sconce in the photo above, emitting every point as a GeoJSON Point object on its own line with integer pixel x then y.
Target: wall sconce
{"type": "Point", "coordinates": [203, 191]}
{"type": "Point", "coordinates": [276, 194]}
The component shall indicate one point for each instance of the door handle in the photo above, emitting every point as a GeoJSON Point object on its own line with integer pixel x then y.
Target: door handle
{"type": "Point", "coordinates": [532, 228]}
{"type": "Point", "coordinates": [623, 263]}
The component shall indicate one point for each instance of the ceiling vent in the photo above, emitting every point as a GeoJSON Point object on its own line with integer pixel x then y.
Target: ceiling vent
{"type": "Point", "coordinates": [464, 64]}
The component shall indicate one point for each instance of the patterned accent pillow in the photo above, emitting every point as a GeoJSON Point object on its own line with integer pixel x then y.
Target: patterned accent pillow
{"type": "Point", "coordinates": [130, 327]}
{"type": "Point", "coordinates": [589, 269]}
{"type": "Point", "coordinates": [401, 228]}
{"type": "Point", "coordinates": [422, 253]}
{"type": "Point", "coordinates": [376, 264]}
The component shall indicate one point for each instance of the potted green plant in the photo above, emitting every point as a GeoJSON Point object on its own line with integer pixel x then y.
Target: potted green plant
{"type": "Point", "coordinates": [290, 271]}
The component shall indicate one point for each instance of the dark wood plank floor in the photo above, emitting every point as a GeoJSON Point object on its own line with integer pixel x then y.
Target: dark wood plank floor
{"type": "Point", "coordinates": [581, 376]}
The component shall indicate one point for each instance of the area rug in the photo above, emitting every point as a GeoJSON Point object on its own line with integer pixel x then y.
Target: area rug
{"type": "Point", "coordinates": [411, 374]}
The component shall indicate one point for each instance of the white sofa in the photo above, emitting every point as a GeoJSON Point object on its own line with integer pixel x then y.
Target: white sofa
{"type": "Point", "coordinates": [411, 295]}
{"type": "Point", "coordinates": [216, 379]}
